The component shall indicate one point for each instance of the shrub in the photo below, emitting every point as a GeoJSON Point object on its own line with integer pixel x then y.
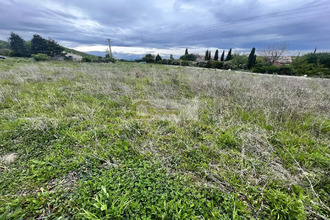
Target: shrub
{"type": "Point", "coordinates": [4, 52]}
{"type": "Point", "coordinates": [110, 59]}
{"type": "Point", "coordinates": [266, 69]}
{"type": "Point", "coordinates": [228, 65]}
{"type": "Point", "coordinates": [149, 58]}
{"type": "Point", "coordinates": [240, 61]}
{"type": "Point", "coordinates": [312, 64]}
{"type": "Point", "coordinates": [40, 57]}
{"type": "Point", "coordinates": [190, 57]}
{"type": "Point", "coordinates": [287, 70]}
{"type": "Point", "coordinates": [184, 63]}
{"type": "Point", "coordinates": [86, 59]}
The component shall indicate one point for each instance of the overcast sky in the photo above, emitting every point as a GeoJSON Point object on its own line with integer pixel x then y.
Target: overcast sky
{"type": "Point", "coordinates": [168, 26]}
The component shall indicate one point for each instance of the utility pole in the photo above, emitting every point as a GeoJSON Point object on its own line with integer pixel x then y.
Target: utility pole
{"type": "Point", "coordinates": [110, 52]}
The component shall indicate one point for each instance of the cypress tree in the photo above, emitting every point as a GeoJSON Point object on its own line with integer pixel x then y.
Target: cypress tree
{"type": "Point", "coordinates": [186, 52]}
{"type": "Point", "coordinates": [39, 45]}
{"type": "Point", "coordinates": [216, 55]}
{"type": "Point", "coordinates": [229, 56]}
{"type": "Point", "coordinates": [252, 58]}
{"type": "Point", "coordinates": [222, 56]}
{"type": "Point", "coordinates": [17, 45]}
{"type": "Point", "coordinates": [53, 48]}
{"type": "Point", "coordinates": [209, 57]}
{"type": "Point", "coordinates": [158, 58]}
{"type": "Point", "coordinates": [206, 55]}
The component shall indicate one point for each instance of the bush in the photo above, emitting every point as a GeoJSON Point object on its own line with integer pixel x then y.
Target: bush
{"type": "Point", "coordinates": [266, 69]}
{"type": "Point", "coordinates": [190, 57]}
{"type": "Point", "coordinates": [214, 64]}
{"type": "Point", "coordinates": [229, 65]}
{"type": "Point", "coordinates": [40, 57]}
{"type": "Point", "coordinates": [184, 63]}
{"type": "Point", "coordinates": [4, 52]}
{"type": "Point", "coordinates": [287, 70]}
{"type": "Point", "coordinates": [149, 58]}
{"type": "Point", "coordinates": [110, 59]}
{"type": "Point", "coordinates": [202, 64]}
{"type": "Point", "coordinates": [312, 64]}
{"type": "Point", "coordinates": [240, 61]}
{"type": "Point", "coordinates": [86, 59]}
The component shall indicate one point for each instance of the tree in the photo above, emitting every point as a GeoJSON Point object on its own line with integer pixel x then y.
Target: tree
{"type": "Point", "coordinates": [39, 45]}
{"type": "Point", "coordinates": [158, 58]}
{"type": "Point", "coordinates": [149, 58]}
{"type": "Point", "coordinates": [186, 52]}
{"type": "Point", "coordinates": [27, 45]}
{"type": "Point", "coordinates": [222, 56]}
{"type": "Point", "coordinates": [252, 58]}
{"type": "Point", "coordinates": [207, 55]}
{"type": "Point", "coordinates": [272, 52]}
{"type": "Point", "coordinates": [54, 49]}
{"type": "Point", "coordinates": [171, 57]}
{"type": "Point", "coordinates": [216, 55]}
{"type": "Point", "coordinates": [17, 45]}
{"type": "Point", "coordinates": [229, 56]}
{"type": "Point", "coordinates": [190, 57]}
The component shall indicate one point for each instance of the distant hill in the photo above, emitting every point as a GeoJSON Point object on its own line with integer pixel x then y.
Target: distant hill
{"type": "Point", "coordinates": [68, 50]}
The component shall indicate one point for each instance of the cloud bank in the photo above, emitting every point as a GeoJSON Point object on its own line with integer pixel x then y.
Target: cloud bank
{"type": "Point", "coordinates": [168, 26]}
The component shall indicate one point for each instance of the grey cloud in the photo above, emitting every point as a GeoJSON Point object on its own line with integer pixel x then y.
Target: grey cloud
{"type": "Point", "coordinates": [177, 23]}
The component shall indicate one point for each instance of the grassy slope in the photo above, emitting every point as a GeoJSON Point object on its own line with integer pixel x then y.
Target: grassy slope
{"type": "Point", "coordinates": [260, 147]}
{"type": "Point", "coordinates": [68, 50]}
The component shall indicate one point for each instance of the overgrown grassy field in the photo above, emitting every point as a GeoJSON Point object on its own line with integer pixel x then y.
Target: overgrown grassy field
{"type": "Point", "coordinates": [259, 149]}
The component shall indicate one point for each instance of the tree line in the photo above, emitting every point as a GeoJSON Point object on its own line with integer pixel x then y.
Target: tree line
{"type": "Point", "coordinates": [312, 64]}
{"type": "Point", "coordinates": [214, 62]}
{"type": "Point", "coordinates": [37, 45]}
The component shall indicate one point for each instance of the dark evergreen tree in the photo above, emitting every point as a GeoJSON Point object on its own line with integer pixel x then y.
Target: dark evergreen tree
{"type": "Point", "coordinates": [158, 58]}
{"type": "Point", "coordinates": [222, 56]}
{"type": "Point", "coordinates": [27, 45]}
{"type": "Point", "coordinates": [208, 55]}
{"type": "Point", "coordinates": [39, 45]}
{"type": "Point", "coordinates": [149, 58]}
{"type": "Point", "coordinates": [171, 57]}
{"type": "Point", "coordinates": [216, 55]}
{"type": "Point", "coordinates": [190, 57]}
{"type": "Point", "coordinates": [229, 56]}
{"type": "Point", "coordinates": [186, 52]}
{"type": "Point", "coordinates": [17, 45]}
{"type": "Point", "coordinates": [54, 49]}
{"type": "Point", "coordinates": [252, 58]}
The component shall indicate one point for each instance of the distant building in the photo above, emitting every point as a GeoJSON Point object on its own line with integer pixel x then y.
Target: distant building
{"type": "Point", "coordinates": [74, 57]}
{"type": "Point", "coordinates": [283, 61]}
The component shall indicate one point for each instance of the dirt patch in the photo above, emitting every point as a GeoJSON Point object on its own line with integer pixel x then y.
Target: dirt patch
{"type": "Point", "coordinates": [8, 158]}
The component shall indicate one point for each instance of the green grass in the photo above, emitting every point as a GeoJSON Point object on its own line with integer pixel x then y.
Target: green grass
{"type": "Point", "coordinates": [259, 149]}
